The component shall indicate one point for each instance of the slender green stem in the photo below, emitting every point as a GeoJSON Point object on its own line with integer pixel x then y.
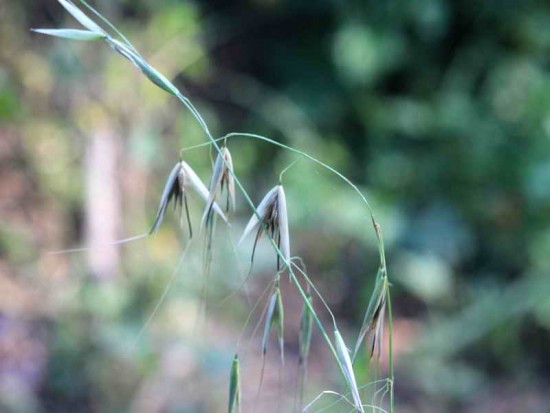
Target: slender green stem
{"type": "Point", "coordinates": [310, 283]}
{"type": "Point", "coordinates": [311, 158]}
{"type": "Point", "coordinates": [108, 23]}
{"type": "Point", "coordinates": [390, 345]}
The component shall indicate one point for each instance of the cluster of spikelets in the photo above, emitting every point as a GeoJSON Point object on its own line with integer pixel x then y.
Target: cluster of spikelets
{"type": "Point", "coordinates": [270, 218]}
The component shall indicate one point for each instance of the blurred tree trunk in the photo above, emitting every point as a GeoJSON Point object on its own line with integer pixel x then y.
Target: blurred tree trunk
{"type": "Point", "coordinates": [103, 209]}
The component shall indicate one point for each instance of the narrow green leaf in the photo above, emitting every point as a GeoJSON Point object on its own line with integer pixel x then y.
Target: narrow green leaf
{"type": "Point", "coordinates": [81, 17]}
{"type": "Point", "coordinates": [343, 355]}
{"type": "Point", "coordinates": [72, 34]}
{"type": "Point", "coordinates": [234, 386]}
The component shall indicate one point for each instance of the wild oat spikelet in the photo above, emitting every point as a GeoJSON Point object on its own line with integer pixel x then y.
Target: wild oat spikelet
{"type": "Point", "coordinates": [181, 179]}
{"type": "Point", "coordinates": [373, 322]}
{"type": "Point", "coordinates": [273, 218]}
{"type": "Point", "coordinates": [234, 404]}
{"type": "Point", "coordinates": [345, 361]}
{"type": "Point", "coordinates": [274, 316]}
{"type": "Point", "coordinates": [222, 178]}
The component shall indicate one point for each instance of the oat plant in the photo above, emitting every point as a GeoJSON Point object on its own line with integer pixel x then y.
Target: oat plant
{"type": "Point", "coordinates": [269, 218]}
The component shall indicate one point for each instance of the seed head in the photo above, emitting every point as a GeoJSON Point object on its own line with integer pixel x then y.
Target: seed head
{"type": "Point", "coordinates": [179, 182]}
{"type": "Point", "coordinates": [222, 178]}
{"type": "Point", "coordinates": [373, 322]}
{"type": "Point", "coordinates": [273, 217]}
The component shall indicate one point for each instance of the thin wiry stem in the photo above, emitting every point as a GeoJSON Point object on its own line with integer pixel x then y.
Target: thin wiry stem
{"type": "Point", "coordinates": [251, 312]}
{"type": "Point", "coordinates": [111, 244]}
{"type": "Point", "coordinates": [108, 23]}
{"type": "Point", "coordinates": [390, 348]}
{"type": "Point", "coordinates": [372, 383]}
{"type": "Point", "coordinates": [310, 283]}
{"type": "Point", "coordinates": [163, 295]}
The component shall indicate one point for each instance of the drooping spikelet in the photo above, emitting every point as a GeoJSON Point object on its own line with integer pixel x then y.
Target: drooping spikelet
{"type": "Point", "coordinates": [373, 322]}
{"type": "Point", "coordinates": [222, 178]}
{"type": "Point", "coordinates": [347, 367]}
{"type": "Point", "coordinates": [179, 182]}
{"type": "Point", "coordinates": [271, 215]}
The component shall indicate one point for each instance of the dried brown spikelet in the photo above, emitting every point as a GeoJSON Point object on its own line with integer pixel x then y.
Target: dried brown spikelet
{"type": "Point", "coordinates": [373, 322]}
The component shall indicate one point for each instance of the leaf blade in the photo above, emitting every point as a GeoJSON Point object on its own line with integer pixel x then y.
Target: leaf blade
{"type": "Point", "coordinates": [72, 34]}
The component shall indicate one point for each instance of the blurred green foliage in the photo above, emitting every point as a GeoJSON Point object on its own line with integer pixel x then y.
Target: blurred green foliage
{"type": "Point", "coordinates": [439, 110]}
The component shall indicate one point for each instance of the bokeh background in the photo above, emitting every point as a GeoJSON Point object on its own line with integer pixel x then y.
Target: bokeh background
{"type": "Point", "coordinates": [439, 110]}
